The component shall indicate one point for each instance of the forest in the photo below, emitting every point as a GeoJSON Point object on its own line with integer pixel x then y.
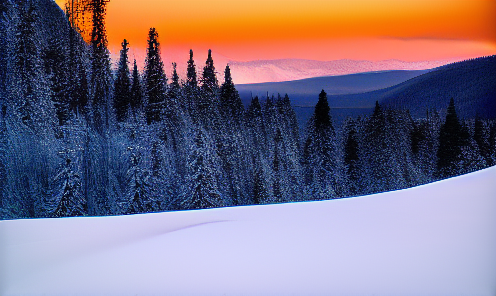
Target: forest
{"type": "Point", "coordinates": [79, 137]}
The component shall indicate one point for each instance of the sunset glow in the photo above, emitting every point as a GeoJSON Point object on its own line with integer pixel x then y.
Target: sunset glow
{"type": "Point", "coordinates": [410, 30]}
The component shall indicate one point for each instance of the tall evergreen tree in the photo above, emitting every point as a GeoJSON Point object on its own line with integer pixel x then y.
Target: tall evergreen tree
{"type": "Point", "coordinates": [69, 198]}
{"type": "Point", "coordinates": [100, 66]}
{"type": "Point", "coordinates": [175, 89]}
{"type": "Point", "coordinates": [27, 61]}
{"type": "Point", "coordinates": [210, 85]}
{"type": "Point", "coordinates": [191, 79]}
{"type": "Point", "coordinates": [136, 90]}
{"type": "Point", "coordinates": [56, 69]}
{"type": "Point", "coordinates": [155, 79]}
{"type": "Point", "coordinates": [203, 183]}
{"type": "Point", "coordinates": [138, 187]}
{"type": "Point", "coordinates": [230, 102]}
{"type": "Point", "coordinates": [122, 86]}
{"type": "Point", "coordinates": [450, 144]}
{"type": "Point", "coordinates": [319, 151]}
{"type": "Point", "coordinates": [276, 166]}
{"type": "Point", "coordinates": [351, 159]}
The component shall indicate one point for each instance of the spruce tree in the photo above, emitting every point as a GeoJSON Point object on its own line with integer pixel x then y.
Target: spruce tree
{"type": "Point", "coordinates": [191, 80]}
{"type": "Point", "coordinates": [351, 159]}
{"type": "Point", "coordinates": [138, 187]}
{"type": "Point", "coordinates": [155, 79]}
{"type": "Point", "coordinates": [450, 144]}
{"type": "Point", "coordinates": [175, 88]}
{"type": "Point", "coordinates": [210, 84]}
{"type": "Point", "coordinates": [207, 105]}
{"type": "Point", "coordinates": [230, 102]}
{"type": "Point", "coordinates": [56, 69]}
{"type": "Point", "coordinates": [100, 66]}
{"type": "Point", "coordinates": [27, 61]}
{"type": "Point", "coordinates": [276, 166]}
{"type": "Point", "coordinates": [259, 188]}
{"type": "Point", "coordinates": [202, 179]}
{"type": "Point", "coordinates": [318, 153]}
{"type": "Point", "coordinates": [122, 86]}
{"type": "Point", "coordinates": [136, 90]}
{"type": "Point", "coordinates": [69, 197]}
{"type": "Point", "coordinates": [191, 87]}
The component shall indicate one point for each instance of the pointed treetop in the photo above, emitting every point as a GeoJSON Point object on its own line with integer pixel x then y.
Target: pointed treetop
{"type": "Point", "coordinates": [322, 117]}
{"type": "Point", "coordinates": [227, 76]}
{"type": "Point", "coordinates": [377, 109]}
{"type": "Point", "coordinates": [175, 77]}
{"type": "Point", "coordinates": [191, 71]}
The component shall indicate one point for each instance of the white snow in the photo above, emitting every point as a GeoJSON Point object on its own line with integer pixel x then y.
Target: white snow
{"type": "Point", "coordinates": [436, 239]}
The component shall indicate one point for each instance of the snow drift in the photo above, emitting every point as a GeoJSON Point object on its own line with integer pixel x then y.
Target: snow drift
{"type": "Point", "coordinates": [435, 239]}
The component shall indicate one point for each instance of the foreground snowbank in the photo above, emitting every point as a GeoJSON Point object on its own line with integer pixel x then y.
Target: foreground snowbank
{"type": "Point", "coordinates": [436, 239]}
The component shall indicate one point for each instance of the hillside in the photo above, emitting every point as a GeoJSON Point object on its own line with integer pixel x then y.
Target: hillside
{"type": "Point", "coordinates": [302, 92]}
{"type": "Point", "coordinates": [471, 83]}
{"type": "Point", "coordinates": [436, 239]}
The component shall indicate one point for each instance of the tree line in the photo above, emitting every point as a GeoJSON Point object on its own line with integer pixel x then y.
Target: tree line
{"type": "Point", "coordinates": [77, 138]}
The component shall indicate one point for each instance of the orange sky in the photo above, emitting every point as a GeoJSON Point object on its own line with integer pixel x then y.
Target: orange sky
{"type": "Point", "coordinates": [410, 30]}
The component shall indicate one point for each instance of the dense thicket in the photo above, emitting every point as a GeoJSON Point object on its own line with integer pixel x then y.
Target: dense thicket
{"type": "Point", "coordinates": [77, 139]}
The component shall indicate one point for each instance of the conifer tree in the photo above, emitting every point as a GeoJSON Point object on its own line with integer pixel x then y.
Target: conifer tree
{"type": "Point", "coordinates": [27, 61]}
{"type": "Point", "coordinates": [56, 69]}
{"type": "Point", "coordinates": [155, 79]}
{"type": "Point", "coordinates": [136, 90]}
{"type": "Point", "coordinates": [480, 137]}
{"type": "Point", "coordinates": [318, 153]}
{"type": "Point", "coordinates": [276, 166]}
{"type": "Point", "coordinates": [451, 140]}
{"type": "Point", "coordinates": [122, 86]}
{"type": "Point", "coordinates": [351, 159]}
{"type": "Point", "coordinates": [210, 84]}
{"type": "Point", "coordinates": [175, 89]}
{"type": "Point", "coordinates": [259, 188]}
{"type": "Point", "coordinates": [191, 80]}
{"type": "Point", "coordinates": [191, 89]}
{"type": "Point", "coordinates": [100, 66]}
{"type": "Point", "coordinates": [69, 198]}
{"type": "Point", "coordinates": [230, 102]}
{"type": "Point", "coordinates": [138, 187]}
{"type": "Point", "coordinates": [205, 191]}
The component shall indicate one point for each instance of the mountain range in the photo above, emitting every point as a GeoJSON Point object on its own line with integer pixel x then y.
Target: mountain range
{"type": "Point", "coordinates": [471, 83]}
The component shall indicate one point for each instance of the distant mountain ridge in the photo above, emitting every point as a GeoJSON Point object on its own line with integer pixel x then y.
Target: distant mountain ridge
{"type": "Point", "coordinates": [303, 92]}
{"type": "Point", "coordinates": [471, 83]}
{"type": "Point", "coordinates": [295, 69]}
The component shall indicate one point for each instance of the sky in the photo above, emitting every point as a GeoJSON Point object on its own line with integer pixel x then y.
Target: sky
{"type": "Point", "coordinates": [245, 30]}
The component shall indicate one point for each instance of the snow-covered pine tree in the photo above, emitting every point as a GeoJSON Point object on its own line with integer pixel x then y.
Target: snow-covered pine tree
{"type": "Point", "coordinates": [138, 193]}
{"type": "Point", "coordinates": [230, 103]}
{"type": "Point", "coordinates": [56, 67]}
{"type": "Point", "coordinates": [69, 198]}
{"type": "Point", "coordinates": [136, 91]}
{"type": "Point", "coordinates": [122, 85]}
{"type": "Point", "coordinates": [155, 79]}
{"type": "Point", "coordinates": [191, 89]}
{"type": "Point", "coordinates": [451, 141]}
{"type": "Point", "coordinates": [351, 159]}
{"type": "Point", "coordinates": [318, 153]}
{"type": "Point", "coordinates": [202, 177]}
{"type": "Point", "coordinates": [100, 67]}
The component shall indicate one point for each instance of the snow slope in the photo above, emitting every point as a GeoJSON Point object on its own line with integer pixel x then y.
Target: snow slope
{"type": "Point", "coordinates": [436, 239]}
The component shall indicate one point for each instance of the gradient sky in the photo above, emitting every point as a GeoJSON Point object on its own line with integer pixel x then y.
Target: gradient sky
{"type": "Point", "coordinates": [242, 30]}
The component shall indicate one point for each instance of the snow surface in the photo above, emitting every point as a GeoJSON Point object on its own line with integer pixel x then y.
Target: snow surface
{"type": "Point", "coordinates": [436, 239]}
